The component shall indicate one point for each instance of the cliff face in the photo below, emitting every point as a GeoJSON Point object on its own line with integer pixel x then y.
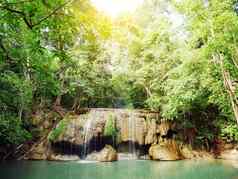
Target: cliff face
{"type": "Point", "coordinates": [127, 131]}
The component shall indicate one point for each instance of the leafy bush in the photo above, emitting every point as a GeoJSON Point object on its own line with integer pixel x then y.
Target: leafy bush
{"type": "Point", "coordinates": [55, 133]}
{"type": "Point", "coordinates": [12, 131]}
{"type": "Point", "coordinates": [110, 127]}
{"type": "Point", "coordinates": [230, 132]}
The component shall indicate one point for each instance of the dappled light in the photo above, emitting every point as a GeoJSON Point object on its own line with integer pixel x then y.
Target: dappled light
{"type": "Point", "coordinates": [118, 87]}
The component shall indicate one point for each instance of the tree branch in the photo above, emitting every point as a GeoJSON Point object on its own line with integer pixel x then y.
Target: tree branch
{"type": "Point", "coordinates": [19, 2]}
{"type": "Point", "coordinates": [22, 14]}
{"type": "Point", "coordinates": [52, 13]}
{"type": "Point", "coordinates": [28, 22]}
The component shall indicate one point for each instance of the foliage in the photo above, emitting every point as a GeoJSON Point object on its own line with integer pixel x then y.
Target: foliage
{"type": "Point", "coordinates": [12, 131]}
{"type": "Point", "coordinates": [110, 127]}
{"type": "Point", "coordinates": [66, 53]}
{"type": "Point", "coordinates": [59, 129]}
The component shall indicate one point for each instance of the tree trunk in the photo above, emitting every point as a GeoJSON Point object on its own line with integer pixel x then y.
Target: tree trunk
{"type": "Point", "coordinates": [229, 87]}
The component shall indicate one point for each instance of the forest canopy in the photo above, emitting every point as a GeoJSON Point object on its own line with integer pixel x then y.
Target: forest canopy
{"type": "Point", "coordinates": [65, 54]}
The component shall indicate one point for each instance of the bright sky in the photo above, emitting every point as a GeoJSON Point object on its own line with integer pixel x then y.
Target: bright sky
{"type": "Point", "coordinates": [116, 7]}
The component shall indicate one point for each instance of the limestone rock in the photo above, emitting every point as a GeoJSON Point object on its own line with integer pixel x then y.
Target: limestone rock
{"type": "Point", "coordinates": [164, 127]}
{"type": "Point", "coordinates": [73, 130]}
{"type": "Point", "coordinates": [92, 156]}
{"type": "Point", "coordinates": [38, 153]}
{"type": "Point", "coordinates": [107, 154]}
{"type": "Point", "coordinates": [151, 136]}
{"type": "Point", "coordinates": [132, 129]}
{"type": "Point", "coordinates": [231, 154]}
{"type": "Point", "coordinates": [162, 152]}
{"type": "Point", "coordinates": [188, 153]}
{"type": "Point", "coordinates": [58, 157]}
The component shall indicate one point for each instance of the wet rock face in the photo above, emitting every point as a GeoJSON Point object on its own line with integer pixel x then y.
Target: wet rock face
{"type": "Point", "coordinates": [73, 131]}
{"type": "Point", "coordinates": [83, 134]}
{"type": "Point", "coordinates": [135, 126]}
{"type": "Point", "coordinates": [132, 129]}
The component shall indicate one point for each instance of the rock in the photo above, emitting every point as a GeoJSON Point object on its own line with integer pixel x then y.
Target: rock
{"type": "Point", "coordinates": [162, 152]}
{"type": "Point", "coordinates": [92, 156]}
{"type": "Point", "coordinates": [73, 130]}
{"type": "Point", "coordinates": [38, 153]}
{"type": "Point", "coordinates": [58, 157]}
{"type": "Point", "coordinates": [107, 154]}
{"type": "Point", "coordinates": [132, 129]}
{"type": "Point", "coordinates": [231, 154]}
{"type": "Point", "coordinates": [164, 127]}
{"type": "Point", "coordinates": [188, 153]}
{"type": "Point", "coordinates": [228, 146]}
{"type": "Point", "coordinates": [151, 136]}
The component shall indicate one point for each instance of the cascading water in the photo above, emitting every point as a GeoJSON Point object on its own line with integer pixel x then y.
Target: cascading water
{"type": "Point", "coordinates": [132, 135]}
{"type": "Point", "coordinates": [86, 133]}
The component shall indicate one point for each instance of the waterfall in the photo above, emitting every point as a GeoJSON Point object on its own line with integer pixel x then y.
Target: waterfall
{"type": "Point", "coordinates": [87, 133]}
{"type": "Point", "coordinates": [132, 135]}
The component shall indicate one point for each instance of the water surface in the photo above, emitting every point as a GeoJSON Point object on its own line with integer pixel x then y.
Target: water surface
{"type": "Point", "coordinates": [131, 169]}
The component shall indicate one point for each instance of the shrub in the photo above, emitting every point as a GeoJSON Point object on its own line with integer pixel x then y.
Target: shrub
{"type": "Point", "coordinates": [110, 127]}
{"type": "Point", "coordinates": [12, 130]}
{"type": "Point", "coordinates": [60, 128]}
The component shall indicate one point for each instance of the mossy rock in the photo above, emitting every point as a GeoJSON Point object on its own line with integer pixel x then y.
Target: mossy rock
{"type": "Point", "coordinates": [60, 128]}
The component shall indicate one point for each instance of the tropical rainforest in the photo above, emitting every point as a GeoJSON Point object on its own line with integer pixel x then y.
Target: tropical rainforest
{"type": "Point", "coordinates": [64, 55]}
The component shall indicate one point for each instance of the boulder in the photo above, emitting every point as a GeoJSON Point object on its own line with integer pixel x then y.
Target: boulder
{"type": "Point", "coordinates": [107, 154]}
{"type": "Point", "coordinates": [163, 152]}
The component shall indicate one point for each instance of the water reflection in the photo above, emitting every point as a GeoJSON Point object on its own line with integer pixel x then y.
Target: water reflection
{"type": "Point", "coordinates": [132, 169]}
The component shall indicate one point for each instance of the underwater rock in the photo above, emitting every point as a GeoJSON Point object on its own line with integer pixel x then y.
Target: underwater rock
{"type": "Point", "coordinates": [58, 157]}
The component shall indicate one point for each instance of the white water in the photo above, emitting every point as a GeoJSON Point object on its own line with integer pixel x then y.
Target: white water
{"type": "Point", "coordinates": [86, 132]}
{"type": "Point", "coordinates": [132, 136]}
{"type": "Point", "coordinates": [95, 115]}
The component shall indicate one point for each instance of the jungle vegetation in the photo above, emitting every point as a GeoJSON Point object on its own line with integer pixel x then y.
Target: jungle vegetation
{"type": "Point", "coordinates": [64, 54]}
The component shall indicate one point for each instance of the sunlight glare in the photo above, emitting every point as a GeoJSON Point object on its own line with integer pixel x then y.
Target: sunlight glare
{"type": "Point", "coordinates": [116, 7]}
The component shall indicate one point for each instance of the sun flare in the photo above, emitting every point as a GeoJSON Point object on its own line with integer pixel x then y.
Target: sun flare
{"type": "Point", "coordinates": [116, 7]}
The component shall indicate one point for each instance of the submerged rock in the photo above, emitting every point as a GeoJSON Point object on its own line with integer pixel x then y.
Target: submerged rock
{"type": "Point", "coordinates": [163, 152]}
{"type": "Point", "coordinates": [58, 157]}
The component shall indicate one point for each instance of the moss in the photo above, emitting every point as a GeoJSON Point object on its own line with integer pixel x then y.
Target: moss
{"type": "Point", "coordinates": [110, 127]}
{"type": "Point", "coordinates": [60, 128]}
